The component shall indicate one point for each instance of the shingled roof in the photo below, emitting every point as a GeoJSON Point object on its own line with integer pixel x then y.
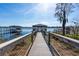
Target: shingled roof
{"type": "Point", "coordinates": [39, 25]}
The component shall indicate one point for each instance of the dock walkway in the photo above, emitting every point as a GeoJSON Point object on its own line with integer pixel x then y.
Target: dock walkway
{"type": "Point", "coordinates": [39, 47]}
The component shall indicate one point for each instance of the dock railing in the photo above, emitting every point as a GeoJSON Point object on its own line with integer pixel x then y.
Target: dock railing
{"type": "Point", "coordinates": [7, 46]}
{"type": "Point", "coordinates": [73, 42]}
{"type": "Point", "coordinates": [51, 48]}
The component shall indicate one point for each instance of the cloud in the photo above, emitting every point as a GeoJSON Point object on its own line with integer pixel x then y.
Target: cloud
{"type": "Point", "coordinates": [44, 22]}
{"type": "Point", "coordinates": [30, 10]}
{"type": "Point", "coordinates": [42, 8]}
{"type": "Point", "coordinates": [46, 7]}
{"type": "Point", "coordinates": [48, 22]}
{"type": "Point", "coordinates": [41, 13]}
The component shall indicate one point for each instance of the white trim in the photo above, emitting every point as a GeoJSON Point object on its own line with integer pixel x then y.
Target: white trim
{"type": "Point", "coordinates": [11, 41]}
{"type": "Point", "coordinates": [74, 40]}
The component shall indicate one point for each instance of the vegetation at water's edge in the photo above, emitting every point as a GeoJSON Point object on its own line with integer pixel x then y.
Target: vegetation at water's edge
{"type": "Point", "coordinates": [1, 41]}
{"type": "Point", "coordinates": [74, 36]}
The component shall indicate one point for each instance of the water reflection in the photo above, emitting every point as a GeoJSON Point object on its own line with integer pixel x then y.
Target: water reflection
{"type": "Point", "coordinates": [9, 36]}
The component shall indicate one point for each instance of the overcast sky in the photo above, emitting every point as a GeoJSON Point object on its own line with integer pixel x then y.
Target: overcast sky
{"type": "Point", "coordinates": [31, 13]}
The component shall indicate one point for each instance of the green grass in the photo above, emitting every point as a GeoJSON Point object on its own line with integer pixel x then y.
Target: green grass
{"type": "Point", "coordinates": [74, 36]}
{"type": "Point", "coordinates": [1, 41]}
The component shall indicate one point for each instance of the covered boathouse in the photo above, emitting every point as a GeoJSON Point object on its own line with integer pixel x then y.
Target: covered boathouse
{"type": "Point", "coordinates": [39, 28]}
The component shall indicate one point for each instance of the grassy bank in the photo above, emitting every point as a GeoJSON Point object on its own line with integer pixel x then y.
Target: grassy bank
{"type": "Point", "coordinates": [74, 36]}
{"type": "Point", "coordinates": [1, 41]}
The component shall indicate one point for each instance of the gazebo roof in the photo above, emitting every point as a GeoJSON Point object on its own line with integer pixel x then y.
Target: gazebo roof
{"type": "Point", "coordinates": [39, 25]}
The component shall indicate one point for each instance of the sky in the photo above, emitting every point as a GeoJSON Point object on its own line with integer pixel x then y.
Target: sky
{"type": "Point", "coordinates": [28, 14]}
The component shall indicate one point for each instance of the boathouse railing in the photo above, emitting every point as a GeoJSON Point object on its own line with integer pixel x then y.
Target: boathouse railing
{"type": "Point", "coordinates": [72, 42]}
{"type": "Point", "coordinates": [6, 46]}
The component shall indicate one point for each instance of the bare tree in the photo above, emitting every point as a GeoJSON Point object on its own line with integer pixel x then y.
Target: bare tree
{"type": "Point", "coordinates": [76, 25]}
{"type": "Point", "coordinates": [62, 12]}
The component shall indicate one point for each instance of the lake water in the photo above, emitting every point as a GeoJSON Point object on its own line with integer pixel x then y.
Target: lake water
{"type": "Point", "coordinates": [9, 36]}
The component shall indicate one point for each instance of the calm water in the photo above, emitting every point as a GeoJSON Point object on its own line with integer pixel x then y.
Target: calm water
{"type": "Point", "coordinates": [50, 29]}
{"type": "Point", "coordinates": [9, 36]}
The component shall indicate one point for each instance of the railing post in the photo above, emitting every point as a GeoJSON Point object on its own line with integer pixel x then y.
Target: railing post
{"type": "Point", "coordinates": [32, 37]}
{"type": "Point", "coordinates": [1, 52]}
{"type": "Point", "coordinates": [48, 38]}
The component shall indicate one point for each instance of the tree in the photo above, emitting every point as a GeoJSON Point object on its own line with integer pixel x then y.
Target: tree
{"type": "Point", "coordinates": [76, 25]}
{"type": "Point", "coordinates": [62, 11]}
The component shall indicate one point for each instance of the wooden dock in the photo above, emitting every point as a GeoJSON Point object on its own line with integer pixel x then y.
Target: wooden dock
{"type": "Point", "coordinates": [39, 48]}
